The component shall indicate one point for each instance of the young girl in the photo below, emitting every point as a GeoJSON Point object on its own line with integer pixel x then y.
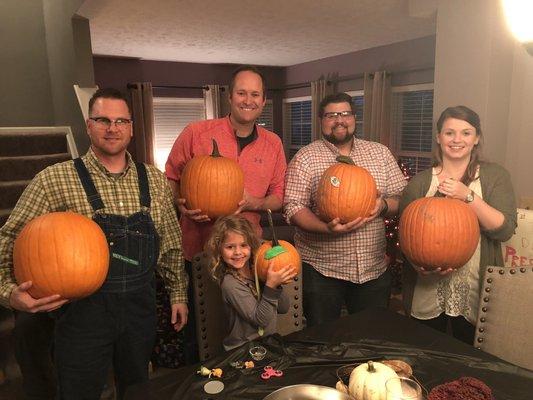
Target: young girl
{"type": "Point", "coordinates": [231, 249]}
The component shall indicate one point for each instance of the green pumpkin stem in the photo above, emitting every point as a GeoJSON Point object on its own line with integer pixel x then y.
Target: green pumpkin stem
{"type": "Point", "coordinates": [345, 160]}
{"type": "Point", "coordinates": [371, 367]}
{"type": "Point", "coordinates": [271, 223]}
{"type": "Point", "coordinates": [215, 152]}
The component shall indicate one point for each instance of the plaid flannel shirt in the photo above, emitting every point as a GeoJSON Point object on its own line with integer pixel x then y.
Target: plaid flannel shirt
{"type": "Point", "coordinates": [58, 188]}
{"type": "Point", "coordinates": [357, 256]}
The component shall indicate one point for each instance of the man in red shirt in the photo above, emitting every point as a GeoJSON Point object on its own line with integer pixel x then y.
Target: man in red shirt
{"type": "Point", "coordinates": [258, 151]}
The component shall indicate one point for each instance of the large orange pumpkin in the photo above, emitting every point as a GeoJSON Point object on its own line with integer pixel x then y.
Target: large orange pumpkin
{"type": "Point", "coordinates": [346, 191]}
{"type": "Point", "coordinates": [282, 253]}
{"type": "Point", "coordinates": [61, 253]}
{"type": "Point", "coordinates": [213, 184]}
{"type": "Point", "coordinates": [438, 232]}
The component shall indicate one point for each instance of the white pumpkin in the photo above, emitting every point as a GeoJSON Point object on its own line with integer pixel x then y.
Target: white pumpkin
{"type": "Point", "coordinates": [367, 381]}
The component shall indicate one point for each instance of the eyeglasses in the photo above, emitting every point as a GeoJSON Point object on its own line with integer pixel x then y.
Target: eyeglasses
{"type": "Point", "coordinates": [343, 114]}
{"type": "Point", "coordinates": [105, 123]}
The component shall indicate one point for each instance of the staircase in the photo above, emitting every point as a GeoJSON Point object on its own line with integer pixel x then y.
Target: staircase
{"type": "Point", "coordinates": [23, 153]}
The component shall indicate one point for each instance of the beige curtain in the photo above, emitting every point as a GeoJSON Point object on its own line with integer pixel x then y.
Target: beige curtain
{"type": "Point", "coordinates": [377, 98]}
{"type": "Point", "coordinates": [142, 104]}
{"type": "Point", "coordinates": [215, 101]}
{"type": "Point", "coordinates": [319, 90]}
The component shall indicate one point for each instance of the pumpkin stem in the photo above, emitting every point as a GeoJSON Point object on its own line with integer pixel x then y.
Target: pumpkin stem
{"type": "Point", "coordinates": [371, 366]}
{"type": "Point", "coordinates": [271, 223]}
{"type": "Point", "coordinates": [345, 160]}
{"type": "Point", "coordinates": [215, 152]}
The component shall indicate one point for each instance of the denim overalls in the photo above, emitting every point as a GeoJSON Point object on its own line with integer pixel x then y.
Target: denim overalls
{"type": "Point", "coordinates": [116, 325]}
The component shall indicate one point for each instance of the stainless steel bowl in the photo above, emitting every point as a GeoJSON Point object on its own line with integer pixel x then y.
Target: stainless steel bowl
{"type": "Point", "coordinates": [307, 392]}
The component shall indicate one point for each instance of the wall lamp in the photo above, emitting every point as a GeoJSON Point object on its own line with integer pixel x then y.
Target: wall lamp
{"type": "Point", "coordinates": [519, 15]}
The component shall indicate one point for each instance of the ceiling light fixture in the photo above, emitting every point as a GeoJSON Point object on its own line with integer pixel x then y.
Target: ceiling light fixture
{"type": "Point", "coordinates": [518, 14]}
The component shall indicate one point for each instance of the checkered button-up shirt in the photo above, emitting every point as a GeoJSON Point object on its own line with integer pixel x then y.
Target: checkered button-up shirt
{"type": "Point", "coordinates": [58, 188]}
{"type": "Point", "coordinates": [357, 256]}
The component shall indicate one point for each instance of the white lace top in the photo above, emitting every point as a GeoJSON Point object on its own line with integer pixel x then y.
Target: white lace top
{"type": "Point", "coordinates": [455, 294]}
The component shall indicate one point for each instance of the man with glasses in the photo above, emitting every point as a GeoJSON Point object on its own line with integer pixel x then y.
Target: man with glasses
{"type": "Point", "coordinates": [343, 264]}
{"type": "Point", "coordinates": [132, 203]}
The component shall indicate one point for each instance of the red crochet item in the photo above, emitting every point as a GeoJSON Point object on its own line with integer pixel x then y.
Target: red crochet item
{"type": "Point", "coordinates": [465, 388]}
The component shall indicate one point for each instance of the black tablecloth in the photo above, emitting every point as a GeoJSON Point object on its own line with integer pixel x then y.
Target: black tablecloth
{"type": "Point", "coordinates": [314, 354]}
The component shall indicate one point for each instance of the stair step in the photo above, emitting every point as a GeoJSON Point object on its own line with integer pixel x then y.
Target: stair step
{"type": "Point", "coordinates": [11, 191]}
{"type": "Point", "coordinates": [26, 167]}
{"type": "Point", "coordinates": [32, 143]}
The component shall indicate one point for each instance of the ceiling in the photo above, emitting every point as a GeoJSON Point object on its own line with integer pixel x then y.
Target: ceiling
{"type": "Point", "coordinates": [274, 32]}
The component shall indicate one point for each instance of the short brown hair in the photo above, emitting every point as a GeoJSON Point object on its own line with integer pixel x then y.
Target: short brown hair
{"type": "Point", "coordinates": [108, 93]}
{"type": "Point", "coordinates": [249, 68]}
{"type": "Point", "coordinates": [335, 98]}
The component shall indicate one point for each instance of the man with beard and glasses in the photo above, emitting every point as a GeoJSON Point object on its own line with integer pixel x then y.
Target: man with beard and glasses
{"type": "Point", "coordinates": [258, 151]}
{"type": "Point", "coordinates": [343, 264]}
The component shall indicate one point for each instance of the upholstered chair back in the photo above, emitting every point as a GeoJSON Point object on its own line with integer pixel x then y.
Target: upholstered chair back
{"type": "Point", "coordinates": [210, 319]}
{"type": "Point", "coordinates": [505, 323]}
{"type": "Point", "coordinates": [211, 323]}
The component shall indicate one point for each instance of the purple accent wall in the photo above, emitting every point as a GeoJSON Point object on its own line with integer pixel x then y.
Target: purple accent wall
{"type": "Point", "coordinates": [118, 72]}
{"type": "Point", "coordinates": [416, 55]}
{"type": "Point", "coordinates": [397, 58]}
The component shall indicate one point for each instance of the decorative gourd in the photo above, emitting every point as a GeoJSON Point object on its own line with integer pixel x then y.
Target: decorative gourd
{"type": "Point", "coordinates": [346, 191]}
{"type": "Point", "coordinates": [367, 381]}
{"type": "Point", "coordinates": [213, 184]}
{"type": "Point", "coordinates": [61, 253]}
{"type": "Point", "coordinates": [438, 232]}
{"type": "Point", "coordinates": [281, 252]}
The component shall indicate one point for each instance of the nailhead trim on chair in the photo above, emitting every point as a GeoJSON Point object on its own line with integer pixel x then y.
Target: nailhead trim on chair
{"type": "Point", "coordinates": [489, 280]}
{"type": "Point", "coordinates": [482, 317]}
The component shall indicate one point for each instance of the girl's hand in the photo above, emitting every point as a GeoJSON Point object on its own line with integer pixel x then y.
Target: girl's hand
{"type": "Point", "coordinates": [453, 189]}
{"type": "Point", "coordinates": [280, 277]}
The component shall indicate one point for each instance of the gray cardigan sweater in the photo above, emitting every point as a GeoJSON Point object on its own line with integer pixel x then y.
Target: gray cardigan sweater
{"type": "Point", "coordinates": [497, 192]}
{"type": "Point", "coordinates": [246, 314]}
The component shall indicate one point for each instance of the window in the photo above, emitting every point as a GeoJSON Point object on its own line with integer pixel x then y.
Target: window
{"type": "Point", "coordinates": [296, 124]}
{"type": "Point", "coordinates": [412, 125]}
{"type": "Point", "coordinates": [266, 119]}
{"type": "Point", "coordinates": [297, 121]}
{"type": "Point", "coordinates": [171, 115]}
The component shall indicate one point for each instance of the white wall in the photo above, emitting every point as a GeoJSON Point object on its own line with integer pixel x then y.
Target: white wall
{"type": "Point", "coordinates": [519, 157]}
{"type": "Point", "coordinates": [46, 49]}
{"type": "Point", "coordinates": [479, 64]}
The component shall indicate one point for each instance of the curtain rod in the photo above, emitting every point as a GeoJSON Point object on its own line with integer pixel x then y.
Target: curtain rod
{"type": "Point", "coordinates": [131, 85]}
{"type": "Point", "coordinates": [347, 78]}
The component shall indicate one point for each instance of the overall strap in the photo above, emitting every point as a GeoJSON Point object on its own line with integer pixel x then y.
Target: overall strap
{"type": "Point", "coordinates": [88, 185]}
{"type": "Point", "coordinates": [144, 190]}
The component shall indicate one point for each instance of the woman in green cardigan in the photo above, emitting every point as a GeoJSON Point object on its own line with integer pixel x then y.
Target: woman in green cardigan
{"type": "Point", "coordinates": [441, 297]}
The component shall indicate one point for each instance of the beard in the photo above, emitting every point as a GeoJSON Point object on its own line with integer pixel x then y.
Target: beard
{"type": "Point", "coordinates": [339, 141]}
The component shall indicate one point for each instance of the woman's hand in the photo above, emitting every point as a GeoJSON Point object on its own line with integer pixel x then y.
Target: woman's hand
{"type": "Point", "coordinates": [423, 271]}
{"type": "Point", "coordinates": [280, 277]}
{"type": "Point", "coordinates": [454, 189]}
